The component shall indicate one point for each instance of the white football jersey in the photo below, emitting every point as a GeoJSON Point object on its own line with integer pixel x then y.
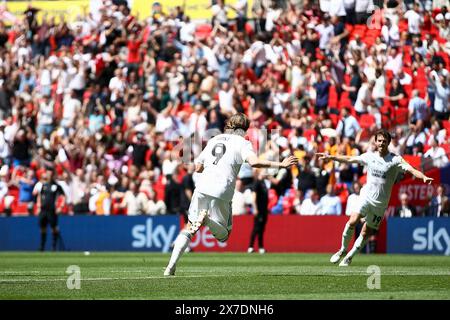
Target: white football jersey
{"type": "Point", "coordinates": [222, 159]}
{"type": "Point", "coordinates": [381, 176]}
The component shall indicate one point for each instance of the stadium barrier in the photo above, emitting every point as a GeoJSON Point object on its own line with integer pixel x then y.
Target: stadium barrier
{"type": "Point", "coordinates": [419, 236]}
{"type": "Point", "coordinates": [292, 233]}
{"type": "Point", "coordinates": [143, 233]}
{"type": "Point", "coordinates": [93, 233]}
{"type": "Point", "coordinates": [419, 194]}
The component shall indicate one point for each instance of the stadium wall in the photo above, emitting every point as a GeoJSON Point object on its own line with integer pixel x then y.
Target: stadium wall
{"type": "Point", "coordinates": [291, 233]}
{"type": "Point", "coordinates": [143, 233]}
{"type": "Point", "coordinates": [320, 234]}
{"type": "Point", "coordinates": [87, 233]}
{"type": "Point", "coordinates": [419, 236]}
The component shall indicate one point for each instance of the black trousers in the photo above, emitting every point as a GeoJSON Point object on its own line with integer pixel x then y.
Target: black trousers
{"type": "Point", "coordinates": [48, 218]}
{"type": "Point", "coordinates": [259, 227]}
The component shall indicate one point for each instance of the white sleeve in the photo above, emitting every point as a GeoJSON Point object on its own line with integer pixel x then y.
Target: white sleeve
{"type": "Point", "coordinates": [247, 150]}
{"type": "Point", "coordinates": [201, 158]}
{"type": "Point", "coordinates": [403, 165]}
{"type": "Point", "coordinates": [37, 187]}
{"type": "Point", "coordinates": [363, 158]}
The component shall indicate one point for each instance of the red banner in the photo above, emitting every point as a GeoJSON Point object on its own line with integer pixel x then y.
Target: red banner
{"type": "Point", "coordinates": [292, 233]}
{"type": "Point", "coordinates": [419, 193]}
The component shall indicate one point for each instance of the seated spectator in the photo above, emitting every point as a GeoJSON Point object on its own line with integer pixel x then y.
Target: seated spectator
{"type": "Point", "coordinates": [436, 155]}
{"type": "Point", "coordinates": [405, 210]}
{"type": "Point", "coordinates": [134, 201]}
{"type": "Point", "coordinates": [353, 200]}
{"type": "Point", "coordinates": [312, 205]}
{"type": "Point", "coordinates": [149, 203]}
{"type": "Point", "coordinates": [439, 205]}
{"type": "Point", "coordinates": [330, 203]}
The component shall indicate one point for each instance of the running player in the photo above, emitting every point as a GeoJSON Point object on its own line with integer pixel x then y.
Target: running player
{"type": "Point", "coordinates": [219, 164]}
{"type": "Point", "coordinates": [383, 167]}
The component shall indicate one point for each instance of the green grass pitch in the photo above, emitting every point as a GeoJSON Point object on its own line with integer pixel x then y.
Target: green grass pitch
{"type": "Point", "coordinates": [221, 276]}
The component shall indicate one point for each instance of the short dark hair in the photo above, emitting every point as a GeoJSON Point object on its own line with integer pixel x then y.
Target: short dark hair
{"type": "Point", "coordinates": [384, 133]}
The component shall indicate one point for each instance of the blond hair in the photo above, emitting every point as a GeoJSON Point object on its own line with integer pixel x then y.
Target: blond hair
{"type": "Point", "coordinates": [236, 122]}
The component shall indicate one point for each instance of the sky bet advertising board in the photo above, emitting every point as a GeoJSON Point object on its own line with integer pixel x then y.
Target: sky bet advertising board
{"type": "Point", "coordinates": [87, 233]}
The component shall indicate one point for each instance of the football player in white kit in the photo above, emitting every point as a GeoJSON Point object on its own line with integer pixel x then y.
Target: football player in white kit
{"type": "Point", "coordinates": [219, 164]}
{"type": "Point", "coordinates": [383, 168]}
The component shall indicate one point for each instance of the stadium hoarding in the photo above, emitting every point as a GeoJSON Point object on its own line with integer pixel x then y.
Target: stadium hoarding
{"type": "Point", "coordinates": [94, 233]}
{"type": "Point", "coordinates": [419, 194]}
{"type": "Point", "coordinates": [195, 9]}
{"type": "Point", "coordinates": [291, 233]}
{"type": "Point", "coordinates": [421, 235]}
{"type": "Point", "coordinates": [69, 9]}
{"type": "Point", "coordinates": [284, 233]}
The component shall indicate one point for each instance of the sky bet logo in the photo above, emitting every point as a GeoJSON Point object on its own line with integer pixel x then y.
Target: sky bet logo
{"type": "Point", "coordinates": [427, 239]}
{"type": "Point", "coordinates": [149, 236]}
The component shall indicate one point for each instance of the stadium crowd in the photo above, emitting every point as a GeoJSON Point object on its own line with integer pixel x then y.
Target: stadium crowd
{"type": "Point", "coordinates": [107, 99]}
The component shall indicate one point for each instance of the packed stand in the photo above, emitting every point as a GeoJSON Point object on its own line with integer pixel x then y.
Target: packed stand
{"type": "Point", "coordinates": [108, 99]}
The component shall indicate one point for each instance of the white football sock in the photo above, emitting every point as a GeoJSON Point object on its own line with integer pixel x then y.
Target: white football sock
{"type": "Point", "coordinates": [359, 243]}
{"type": "Point", "coordinates": [347, 236]}
{"type": "Point", "coordinates": [180, 244]}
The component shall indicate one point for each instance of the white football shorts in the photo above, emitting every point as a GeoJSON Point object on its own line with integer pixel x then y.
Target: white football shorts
{"type": "Point", "coordinates": [218, 210]}
{"type": "Point", "coordinates": [372, 215]}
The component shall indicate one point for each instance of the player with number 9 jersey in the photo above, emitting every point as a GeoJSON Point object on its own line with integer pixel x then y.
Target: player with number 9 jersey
{"type": "Point", "coordinates": [222, 159]}
{"type": "Point", "coordinates": [217, 167]}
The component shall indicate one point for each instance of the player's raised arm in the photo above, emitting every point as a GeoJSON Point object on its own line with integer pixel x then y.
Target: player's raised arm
{"type": "Point", "coordinates": [345, 159]}
{"type": "Point", "coordinates": [416, 173]}
{"type": "Point", "coordinates": [258, 163]}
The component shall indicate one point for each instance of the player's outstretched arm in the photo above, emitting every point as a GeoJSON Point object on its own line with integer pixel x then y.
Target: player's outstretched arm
{"type": "Point", "coordinates": [345, 159]}
{"type": "Point", "coordinates": [258, 163]}
{"type": "Point", "coordinates": [416, 173]}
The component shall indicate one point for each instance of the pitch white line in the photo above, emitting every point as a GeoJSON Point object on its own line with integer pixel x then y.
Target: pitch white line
{"type": "Point", "coordinates": [104, 279]}
{"type": "Point", "coordinates": [217, 276]}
